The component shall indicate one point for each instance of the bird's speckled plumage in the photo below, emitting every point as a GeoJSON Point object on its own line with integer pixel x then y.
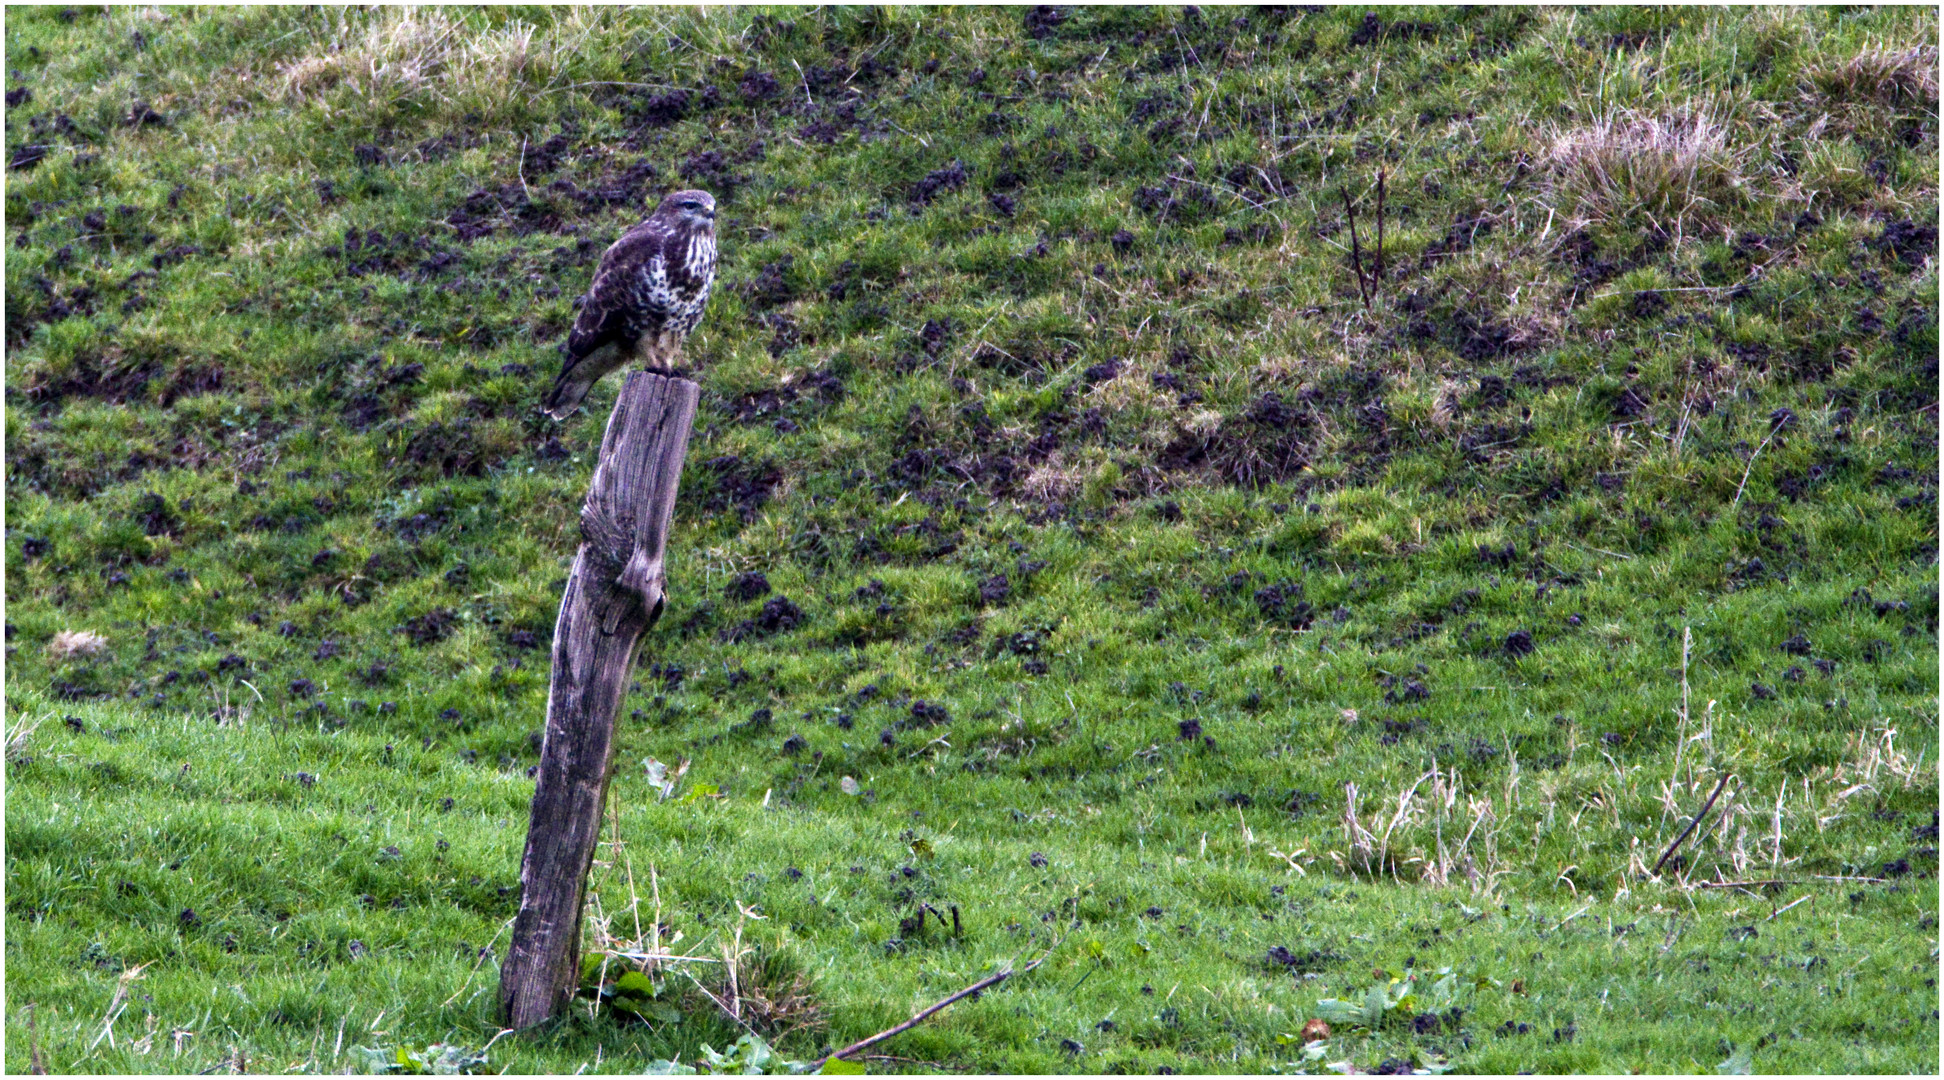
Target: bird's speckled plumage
{"type": "Point", "coordinates": [649, 292]}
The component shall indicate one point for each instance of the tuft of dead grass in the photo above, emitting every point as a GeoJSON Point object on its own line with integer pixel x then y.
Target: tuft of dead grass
{"type": "Point", "coordinates": [424, 54]}
{"type": "Point", "coordinates": [1877, 73]}
{"type": "Point", "coordinates": [1678, 171]}
{"type": "Point", "coordinates": [21, 735]}
{"type": "Point", "coordinates": [761, 990]}
{"type": "Point", "coordinates": [1054, 479]}
{"type": "Point", "coordinates": [771, 994]}
{"type": "Point", "coordinates": [71, 644]}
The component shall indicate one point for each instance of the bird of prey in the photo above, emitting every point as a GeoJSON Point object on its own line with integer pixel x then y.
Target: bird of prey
{"type": "Point", "coordinates": [648, 294]}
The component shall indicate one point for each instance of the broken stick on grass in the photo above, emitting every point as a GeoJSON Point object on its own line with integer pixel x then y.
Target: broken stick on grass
{"type": "Point", "coordinates": [1705, 807]}
{"type": "Point", "coordinates": [990, 980]}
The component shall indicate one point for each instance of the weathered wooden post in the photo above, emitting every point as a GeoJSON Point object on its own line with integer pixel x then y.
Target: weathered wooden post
{"type": "Point", "coordinates": [613, 596]}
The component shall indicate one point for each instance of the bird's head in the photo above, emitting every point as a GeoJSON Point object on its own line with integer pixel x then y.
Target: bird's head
{"type": "Point", "coordinates": [696, 209]}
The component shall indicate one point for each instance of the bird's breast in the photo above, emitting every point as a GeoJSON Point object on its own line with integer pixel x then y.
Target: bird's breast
{"type": "Point", "coordinates": [700, 257]}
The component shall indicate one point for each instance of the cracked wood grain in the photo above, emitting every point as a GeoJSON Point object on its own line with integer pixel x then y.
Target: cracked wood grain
{"type": "Point", "coordinates": [613, 596]}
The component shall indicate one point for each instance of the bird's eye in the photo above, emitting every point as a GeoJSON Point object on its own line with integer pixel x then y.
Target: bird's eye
{"type": "Point", "coordinates": [691, 205]}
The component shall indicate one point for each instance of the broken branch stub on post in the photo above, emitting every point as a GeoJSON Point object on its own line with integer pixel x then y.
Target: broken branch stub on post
{"type": "Point", "coordinates": [613, 596]}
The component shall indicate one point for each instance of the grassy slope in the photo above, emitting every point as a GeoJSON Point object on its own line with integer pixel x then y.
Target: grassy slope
{"type": "Point", "coordinates": [225, 452]}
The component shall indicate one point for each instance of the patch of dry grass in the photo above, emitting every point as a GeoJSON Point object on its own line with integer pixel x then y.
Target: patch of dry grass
{"type": "Point", "coordinates": [1878, 73]}
{"type": "Point", "coordinates": [70, 644]}
{"type": "Point", "coordinates": [1678, 171]}
{"type": "Point", "coordinates": [429, 55]}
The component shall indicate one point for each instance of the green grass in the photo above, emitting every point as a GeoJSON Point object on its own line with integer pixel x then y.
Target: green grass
{"type": "Point", "coordinates": [1353, 632]}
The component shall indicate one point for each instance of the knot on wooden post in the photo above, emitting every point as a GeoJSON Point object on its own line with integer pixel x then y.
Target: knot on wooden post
{"type": "Point", "coordinates": [613, 596]}
{"type": "Point", "coordinates": [631, 499]}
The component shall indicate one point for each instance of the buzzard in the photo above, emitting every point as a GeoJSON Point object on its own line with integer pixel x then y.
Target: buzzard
{"type": "Point", "coordinates": [648, 294]}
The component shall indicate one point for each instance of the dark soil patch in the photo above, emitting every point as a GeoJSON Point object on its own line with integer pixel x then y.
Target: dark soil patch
{"type": "Point", "coordinates": [744, 485]}
{"type": "Point", "coordinates": [779, 615]}
{"type": "Point", "coordinates": [1647, 303]}
{"type": "Point", "coordinates": [661, 110]}
{"type": "Point", "coordinates": [1908, 241]}
{"type": "Point", "coordinates": [1280, 958]}
{"type": "Point", "coordinates": [1269, 443]}
{"type": "Point", "coordinates": [746, 587]}
{"type": "Point", "coordinates": [949, 178]}
{"type": "Point", "coordinates": [759, 86]}
{"type": "Point", "coordinates": [1374, 29]}
{"type": "Point", "coordinates": [1283, 603]}
{"type": "Point", "coordinates": [433, 626]}
{"type": "Point", "coordinates": [27, 156]}
{"type": "Point", "coordinates": [1042, 20]}
{"type": "Point", "coordinates": [450, 450]}
{"type": "Point", "coordinates": [1627, 405]}
{"type": "Point", "coordinates": [771, 287]}
{"type": "Point", "coordinates": [140, 115]}
{"type": "Point", "coordinates": [91, 378]}
{"type": "Point", "coordinates": [1464, 230]}
{"type": "Point", "coordinates": [156, 517]}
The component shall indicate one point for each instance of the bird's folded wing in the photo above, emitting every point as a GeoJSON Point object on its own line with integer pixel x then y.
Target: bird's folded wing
{"type": "Point", "coordinates": [620, 305]}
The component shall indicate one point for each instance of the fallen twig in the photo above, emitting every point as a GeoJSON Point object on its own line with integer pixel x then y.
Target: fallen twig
{"type": "Point", "coordinates": [990, 980]}
{"type": "Point", "coordinates": [1741, 884]}
{"type": "Point", "coordinates": [1685, 833]}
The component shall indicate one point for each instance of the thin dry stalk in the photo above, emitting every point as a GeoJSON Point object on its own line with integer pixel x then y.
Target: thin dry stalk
{"type": "Point", "coordinates": [1779, 912]}
{"type": "Point", "coordinates": [1485, 882]}
{"type": "Point", "coordinates": [477, 961]}
{"type": "Point", "coordinates": [636, 954]}
{"type": "Point", "coordinates": [22, 732]}
{"type": "Point", "coordinates": [1738, 854]}
{"type": "Point", "coordinates": [1869, 756]}
{"type": "Point", "coordinates": [1751, 467]}
{"type": "Point", "coordinates": [731, 962]}
{"type": "Point", "coordinates": [1402, 814]}
{"type": "Point", "coordinates": [1680, 739]}
{"type": "Point", "coordinates": [1731, 811]}
{"type": "Point", "coordinates": [1378, 277]}
{"type": "Point", "coordinates": [1356, 253]}
{"type": "Point", "coordinates": [1361, 841]}
{"type": "Point", "coordinates": [115, 1006]}
{"type": "Point", "coordinates": [36, 1063]}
